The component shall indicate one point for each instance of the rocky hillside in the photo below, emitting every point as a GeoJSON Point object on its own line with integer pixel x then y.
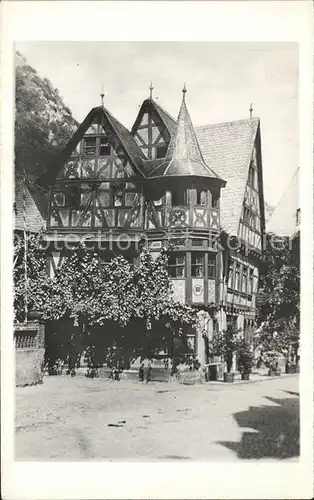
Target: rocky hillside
{"type": "Point", "coordinates": [43, 123]}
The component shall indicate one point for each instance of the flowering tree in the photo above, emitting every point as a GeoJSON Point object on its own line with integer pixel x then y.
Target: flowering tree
{"type": "Point", "coordinates": [135, 298]}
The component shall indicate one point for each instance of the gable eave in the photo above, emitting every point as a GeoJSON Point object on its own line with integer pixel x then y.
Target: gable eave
{"type": "Point", "coordinates": [51, 175]}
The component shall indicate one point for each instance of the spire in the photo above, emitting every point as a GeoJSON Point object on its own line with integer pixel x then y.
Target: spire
{"type": "Point", "coordinates": [184, 154]}
{"type": "Point", "coordinates": [151, 88]}
{"type": "Point", "coordinates": [102, 95]}
{"type": "Point", "coordinates": [251, 110]}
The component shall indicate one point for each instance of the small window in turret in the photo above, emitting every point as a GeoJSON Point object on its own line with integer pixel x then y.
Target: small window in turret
{"type": "Point", "coordinates": [179, 198]}
{"type": "Point", "coordinates": [201, 197]}
{"type": "Point", "coordinates": [215, 199]}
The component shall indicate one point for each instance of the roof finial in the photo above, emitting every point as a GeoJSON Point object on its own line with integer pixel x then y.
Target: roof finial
{"type": "Point", "coordinates": [151, 88]}
{"type": "Point", "coordinates": [251, 110]}
{"type": "Point", "coordinates": [184, 91]}
{"type": "Point", "coordinates": [102, 95]}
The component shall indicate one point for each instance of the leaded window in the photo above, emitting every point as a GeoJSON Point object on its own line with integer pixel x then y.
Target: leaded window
{"type": "Point", "coordinates": [177, 264]}
{"type": "Point", "coordinates": [201, 197]}
{"type": "Point", "coordinates": [197, 265]}
{"type": "Point", "coordinates": [211, 266]}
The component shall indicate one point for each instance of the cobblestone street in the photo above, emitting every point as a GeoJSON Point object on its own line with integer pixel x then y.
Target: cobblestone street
{"type": "Point", "coordinates": [81, 419]}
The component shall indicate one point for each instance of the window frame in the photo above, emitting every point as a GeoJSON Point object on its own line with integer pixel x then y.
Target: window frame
{"type": "Point", "coordinates": [199, 192]}
{"type": "Point", "coordinates": [106, 145]}
{"type": "Point", "coordinates": [89, 148]}
{"type": "Point", "coordinates": [214, 199]}
{"type": "Point", "coordinates": [179, 193]}
{"type": "Point", "coordinates": [250, 281]}
{"type": "Point", "coordinates": [237, 276]}
{"type": "Point", "coordinates": [211, 266]}
{"type": "Point", "coordinates": [161, 147]}
{"type": "Point", "coordinates": [244, 280]}
{"type": "Point", "coordinates": [195, 265]}
{"type": "Point", "coordinates": [174, 265]}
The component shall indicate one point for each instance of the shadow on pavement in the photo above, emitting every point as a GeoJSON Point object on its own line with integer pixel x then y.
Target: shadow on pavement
{"type": "Point", "coordinates": [275, 430]}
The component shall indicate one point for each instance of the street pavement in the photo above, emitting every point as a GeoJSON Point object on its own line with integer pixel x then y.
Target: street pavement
{"type": "Point", "coordinates": [77, 418]}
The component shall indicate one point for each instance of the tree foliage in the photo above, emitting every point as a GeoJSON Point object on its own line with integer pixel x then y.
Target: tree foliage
{"type": "Point", "coordinates": [279, 298]}
{"type": "Point", "coordinates": [43, 123]}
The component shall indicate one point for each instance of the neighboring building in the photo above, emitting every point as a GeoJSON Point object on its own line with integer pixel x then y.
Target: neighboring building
{"type": "Point", "coordinates": [286, 218]}
{"type": "Point", "coordinates": [199, 188]}
{"type": "Point", "coordinates": [30, 205]}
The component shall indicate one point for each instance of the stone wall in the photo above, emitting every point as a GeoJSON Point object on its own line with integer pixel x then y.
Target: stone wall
{"type": "Point", "coordinates": [29, 352]}
{"type": "Point", "coordinates": [28, 366]}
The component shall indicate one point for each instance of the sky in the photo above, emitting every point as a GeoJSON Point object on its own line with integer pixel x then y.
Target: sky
{"type": "Point", "coordinates": [222, 79]}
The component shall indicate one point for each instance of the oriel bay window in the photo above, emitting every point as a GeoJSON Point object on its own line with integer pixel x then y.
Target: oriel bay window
{"type": "Point", "coordinates": [177, 265]}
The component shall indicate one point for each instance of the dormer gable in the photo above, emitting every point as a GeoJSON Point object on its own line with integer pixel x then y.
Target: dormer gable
{"type": "Point", "coordinates": [152, 129]}
{"type": "Point", "coordinates": [101, 148]}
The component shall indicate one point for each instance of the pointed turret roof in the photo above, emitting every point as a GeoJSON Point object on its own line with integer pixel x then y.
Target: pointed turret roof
{"type": "Point", "coordinates": [184, 157]}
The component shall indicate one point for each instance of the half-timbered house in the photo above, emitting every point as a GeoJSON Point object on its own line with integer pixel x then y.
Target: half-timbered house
{"type": "Point", "coordinates": [198, 190]}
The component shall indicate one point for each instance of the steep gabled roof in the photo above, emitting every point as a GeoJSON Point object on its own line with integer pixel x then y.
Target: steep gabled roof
{"type": "Point", "coordinates": [184, 157]}
{"type": "Point", "coordinates": [283, 221]}
{"type": "Point", "coordinates": [36, 205]}
{"type": "Point", "coordinates": [148, 105]}
{"type": "Point", "coordinates": [227, 148]}
{"type": "Point", "coordinates": [128, 143]}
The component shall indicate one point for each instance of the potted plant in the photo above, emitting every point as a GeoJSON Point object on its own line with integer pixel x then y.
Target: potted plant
{"type": "Point", "coordinates": [290, 366]}
{"type": "Point", "coordinates": [245, 359]}
{"type": "Point", "coordinates": [270, 360]}
{"type": "Point", "coordinates": [224, 344]}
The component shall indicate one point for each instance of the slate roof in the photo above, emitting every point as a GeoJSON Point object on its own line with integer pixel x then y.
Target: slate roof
{"type": "Point", "coordinates": [184, 157]}
{"type": "Point", "coordinates": [222, 151]}
{"type": "Point", "coordinates": [227, 148]}
{"type": "Point", "coordinates": [125, 137]}
{"type": "Point", "coordinates": [283, 221]}
{"type": "Point", "coordinates": [36, 206]}
{"type": "Point", "coordinates": [168, 120]}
